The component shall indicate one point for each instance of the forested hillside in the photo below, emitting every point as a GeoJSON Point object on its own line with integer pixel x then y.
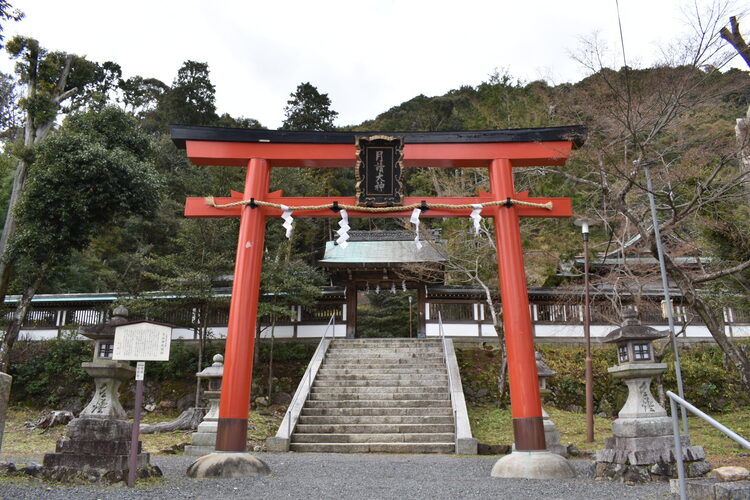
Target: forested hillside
{"type": "Point", "coordinates": [138, 253]}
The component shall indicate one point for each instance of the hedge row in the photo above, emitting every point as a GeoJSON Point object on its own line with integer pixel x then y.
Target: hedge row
{"type": "Point", "coordinates": [709, 383]}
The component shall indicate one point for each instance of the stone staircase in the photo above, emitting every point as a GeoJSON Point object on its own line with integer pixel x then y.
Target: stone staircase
{"type": "Point", "coordinates": [378, 395]}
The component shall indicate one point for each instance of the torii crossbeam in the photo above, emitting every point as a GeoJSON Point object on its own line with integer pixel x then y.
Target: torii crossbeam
{"type": "Point", "coordinates": [260, 150]}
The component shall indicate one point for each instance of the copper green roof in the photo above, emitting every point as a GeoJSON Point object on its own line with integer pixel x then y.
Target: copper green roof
{"type": "Point", "coordinates": [379, 252]}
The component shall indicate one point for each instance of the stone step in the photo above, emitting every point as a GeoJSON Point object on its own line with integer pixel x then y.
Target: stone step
{"type": "Point", "coordinates": [325, 371]}
{"type": "Point", "coordinates": [374, 377]}
{"type": "Point", "coordinates": [421, 412]}
{"type": "Point", "coordinates": [373, 428]}
{"type": "Point", "coordinates": [386, 349]}
{"type": "Point", "coordinates": [382, 382]}
{"type": "Point", "coordinates": [378, 403]}
{"type": "Point", "coordinates": [378, 396]}
{"type": "Point", "coordinates": [376, 419]}
{"type": "Point", "coordinates": [393, 351]}
{"type": "Point", "coordinates": [406, 437]}
{"type": "Point", "coordinates": [379, 389]}
{"type": "Point", "coordinates": [384, 341]}
{"type": "Point", "coordinates": [379, 364]}
{"type": "Point", "coordinates": [374, 447]}
{"type": "Point", "coordinates": [384, 361]}
{"type": "Point", "coordinates": [384, 358]}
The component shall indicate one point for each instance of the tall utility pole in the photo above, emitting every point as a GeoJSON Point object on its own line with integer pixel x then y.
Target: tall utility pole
{"type": "Point", "coordinates": [589, 373]}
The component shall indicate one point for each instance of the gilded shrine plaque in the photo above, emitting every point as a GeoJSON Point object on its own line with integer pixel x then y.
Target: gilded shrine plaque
{"type": "Point", "coordinates": [379, 163]}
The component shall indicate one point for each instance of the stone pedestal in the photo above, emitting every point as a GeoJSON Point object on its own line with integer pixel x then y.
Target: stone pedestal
{"type": "Point", "coordinates": [97, 450]}
{"type": "Point", "coordinates": [108, 376]}
{"type": "Point", "coordinates": [5, 381]}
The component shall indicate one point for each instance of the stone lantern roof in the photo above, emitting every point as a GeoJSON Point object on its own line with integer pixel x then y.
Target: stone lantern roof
{"type": "Point", "coordinates": [107, 329]}
{"type": "Point", "coordinates": [541, 367]}
{"type": "Point", "coordinates": [632, 329]}
{"type": "Point", "coordinates": [216, 370]}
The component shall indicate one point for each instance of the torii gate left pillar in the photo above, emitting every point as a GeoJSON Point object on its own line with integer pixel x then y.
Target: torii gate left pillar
{"type": "Point", "coordinates": [499, 157]}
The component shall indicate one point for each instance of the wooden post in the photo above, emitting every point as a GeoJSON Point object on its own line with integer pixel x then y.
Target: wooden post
{"type": "Point", "coordinates": [231, 434]}
{"type": "Point", "coordinates": [351, 309]}
{"type": "Point", "coordinates": [135, 433]}
{"type": "Point", "coordinates": [421, 321]}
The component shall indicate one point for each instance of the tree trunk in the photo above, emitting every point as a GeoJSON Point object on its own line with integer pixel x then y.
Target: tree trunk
{"type": "Point", "coordinates": [501, 378]}
{"type": "Point", "coordinates": [500, 332]}
{"type": "Point", "coordinates": [34, 133]}
{"type": "Point", "coordinates": [742, 131]}
{"type": "Point", "coordinates": [188, 420]}
{"type": "Point", "coordinates": [270, 363]}
{"type": "Point", "coordinates": [11, 335]}
{"type": "Point", "coordinates": [200, 332]}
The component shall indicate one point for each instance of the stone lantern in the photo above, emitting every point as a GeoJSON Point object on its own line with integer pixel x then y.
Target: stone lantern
{"type": "Point", "coordinates": [98, 442]}
{"type": "Point", "coordinates": [642, 447]}
{"type": "Point", "coordinates": [551, 435]}
{"type": "Point", "coordinates": [204, 440]}
{"type": "Point", "coordinates": [108, 374]}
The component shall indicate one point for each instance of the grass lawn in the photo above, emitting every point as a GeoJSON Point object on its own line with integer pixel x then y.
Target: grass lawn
{"type": "Point", "coordinates": [21, 440]}
{"type": "Point", "coordinates": [489, 425]}
{"type": "Point", "coordinates": [493, 426]}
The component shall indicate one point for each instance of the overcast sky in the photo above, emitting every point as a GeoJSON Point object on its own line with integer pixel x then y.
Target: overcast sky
{"type": "Point", "coordinates": [367, 56]}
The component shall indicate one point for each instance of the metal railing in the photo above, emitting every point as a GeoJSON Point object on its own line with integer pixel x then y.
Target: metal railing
{"type": "Point", "coordinates": [331, 324]}
{"type": "Point", "coordinates": [448, 370]}
{"type": "Point", "coordinates": [674, 399]}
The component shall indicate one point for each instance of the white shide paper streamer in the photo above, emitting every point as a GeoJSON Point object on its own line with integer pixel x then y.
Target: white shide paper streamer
{"type": "Point", "coordinates": [415, 220]}
{"type": "Point", "coordinates": [343, 232]}
{"type": "Point", "coordinates": [476, 217]}
{"type": "Point", "coordinates": [286, 214]}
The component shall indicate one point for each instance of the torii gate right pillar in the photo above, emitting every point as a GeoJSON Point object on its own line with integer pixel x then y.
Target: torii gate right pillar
{"type": "Point", "coordinates": [528, 428]}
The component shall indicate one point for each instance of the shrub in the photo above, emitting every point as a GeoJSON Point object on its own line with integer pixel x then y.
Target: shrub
{"type": "Point", "coordinates": [49, 373]}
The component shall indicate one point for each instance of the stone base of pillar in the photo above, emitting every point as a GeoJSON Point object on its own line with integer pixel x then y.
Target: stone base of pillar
{"type": "Point", "coordinates": [228, 465]}
{"type": "Point", "coordinates": [97, 450]}
{"type": "Point", "coordinates": [533, 465]}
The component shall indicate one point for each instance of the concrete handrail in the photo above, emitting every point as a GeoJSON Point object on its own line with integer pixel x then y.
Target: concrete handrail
{"type": "Point", "coordinates": [281, 441]}
{"type": "Point", "coordinates": [466, 444]}
{"type": "Point", "coordinates": [674, 400]}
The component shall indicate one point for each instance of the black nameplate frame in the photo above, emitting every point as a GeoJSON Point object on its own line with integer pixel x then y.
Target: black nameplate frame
{"type": "Point", "coordinates": [379, 166]}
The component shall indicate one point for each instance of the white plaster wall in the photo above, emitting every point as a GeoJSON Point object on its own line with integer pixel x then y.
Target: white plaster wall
{"type": "Point", "coordinates": [316, 331]}
{"type": "Point", "coordinates": [452, 330]}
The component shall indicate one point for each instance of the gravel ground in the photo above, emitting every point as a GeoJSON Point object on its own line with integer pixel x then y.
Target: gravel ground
{"type": "Point", "coordinates": [325, 475]}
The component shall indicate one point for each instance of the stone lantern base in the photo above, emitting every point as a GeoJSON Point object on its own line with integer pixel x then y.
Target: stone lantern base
{"type": "Point", "coordinates": [642, 450]}
{"type": "Point", "coordinates": [97, 450]}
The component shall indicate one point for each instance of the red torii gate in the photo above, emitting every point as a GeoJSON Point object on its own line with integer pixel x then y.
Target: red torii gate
{"type": "Point", "coordinates": [260, 150]}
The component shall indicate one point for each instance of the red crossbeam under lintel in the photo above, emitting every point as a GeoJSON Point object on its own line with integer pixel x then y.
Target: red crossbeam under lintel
{"type": "Point", "coordinates": [197, 207]}
{"type": "Point", "coordinates": [237, 154]}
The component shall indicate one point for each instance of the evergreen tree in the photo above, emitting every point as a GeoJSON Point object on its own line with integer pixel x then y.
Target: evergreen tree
{"type": "Point", "coordinates": [308, 109]}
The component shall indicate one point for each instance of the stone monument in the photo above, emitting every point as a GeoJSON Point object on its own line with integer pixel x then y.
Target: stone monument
{"type": "Point", "coordinates": [204, 440]}
{"type": "Point", "coordinates": [98, 444]}
{"type": "Point", "coordinates": [5, 382]}
{"type": "Point", "coordinates": [551, 435]}
{"type": "Point", "coordinates": [642, 447]}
